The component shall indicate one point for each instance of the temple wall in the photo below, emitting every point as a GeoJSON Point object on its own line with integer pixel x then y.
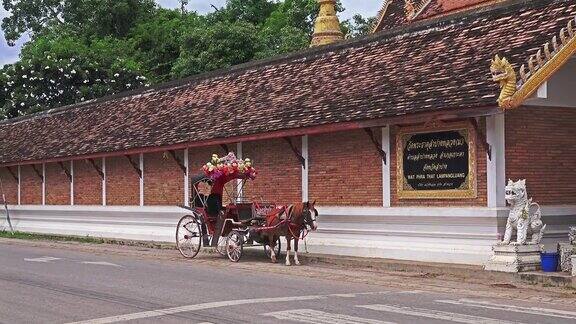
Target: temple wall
{"type": "Point", "coordinates": [541, 148]}
{"type": "Point", "coordinates": [279, 177]}
{"type": "Point", "coordinates": [345, 169]}
{"type": "Point", "coordinates": [480, 200]}
{"type": "Point", "coordinates": [10, 185]}
{"type": "Point", "coordinates": [122, 182]}
{"type": "Point", "coordinates": [87, 183]}
{"type": "Point", "coordinates": [30, 185]}
{"type": "Point", "coordinates": [163, 180]}
{"type": "Point", "coordinates": [57, 184]}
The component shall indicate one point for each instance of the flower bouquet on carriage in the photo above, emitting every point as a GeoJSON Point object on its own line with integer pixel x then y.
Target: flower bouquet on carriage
{"type": "Point", "coordinates": [229, 167]}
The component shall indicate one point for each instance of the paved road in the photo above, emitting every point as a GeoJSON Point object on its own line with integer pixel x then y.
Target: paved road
{"type": "Point", "coordinates": [43, 285]}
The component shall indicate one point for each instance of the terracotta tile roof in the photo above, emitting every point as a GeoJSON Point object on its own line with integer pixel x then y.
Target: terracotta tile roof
{"type": "Point", "coordinates": [432, 66]}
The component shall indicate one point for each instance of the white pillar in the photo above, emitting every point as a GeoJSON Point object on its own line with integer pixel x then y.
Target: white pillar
{"type": "Point", "coordinates": [496, 167]}
{"type": "Point", "coordinates": [103, 181]}
{"type": "Point", "coordinates": [43, 183]}
{"type": "Point", "coordinates": [19, 185]}
{"type": "Point", "coordinates": [72, 183]}
{"type": "Point", "coordinates": [186, 179]}
{"type": "Point", "coordinates": [305, 169]}
{"type": "Point", "coordinates": [239, 181]}
{"type": "Point", "coordinates": [141, 179]}
{"type": "Point", "coordinates": [386, 199]}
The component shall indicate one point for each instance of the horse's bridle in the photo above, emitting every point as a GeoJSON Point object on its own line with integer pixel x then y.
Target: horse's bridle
{"type": "Point", "coordinates": [308, 221]}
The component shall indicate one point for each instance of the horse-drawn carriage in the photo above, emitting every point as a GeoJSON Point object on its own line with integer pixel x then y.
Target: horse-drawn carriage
{"type": "Point", "coordinates": [241, 222]}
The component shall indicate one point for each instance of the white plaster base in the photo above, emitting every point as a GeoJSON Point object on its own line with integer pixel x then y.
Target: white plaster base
{"type": "Point", "coordinates": [515, 258]}
{"type": "Point", "coordinates": [447, 235]}
{"type": "Point", "coordinates": [573, 266]}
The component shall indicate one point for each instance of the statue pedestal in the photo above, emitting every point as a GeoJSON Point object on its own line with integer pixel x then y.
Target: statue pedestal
{"type": "Point", "coordinates": [566, 250]}
{"type": "Point", "coordinates": [515, 258]}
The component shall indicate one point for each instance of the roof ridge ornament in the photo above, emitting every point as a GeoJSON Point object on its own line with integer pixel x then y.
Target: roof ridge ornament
{"type": "Point", "coordinates": [413, 10]}
{"type": "Point", "coordinates": [381, 14]}
{"type": "Point", "coordinates": [327, 26]}
{"type": "Point", "coordinates": [541, 66]}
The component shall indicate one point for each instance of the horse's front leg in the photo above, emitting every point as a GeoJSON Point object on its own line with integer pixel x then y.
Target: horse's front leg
{"type": "Point", "coordinates": [288, 248]}
{"type": "Point", "coordinates": [272, 245]}
{"type": "Point", "coordinates": [296, 261]}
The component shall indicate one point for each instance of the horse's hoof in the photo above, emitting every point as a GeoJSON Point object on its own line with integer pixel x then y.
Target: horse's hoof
{"type": "Point", "coordinates": [297, 263]}
{"type": "Point", "coordinates": [288, 264]}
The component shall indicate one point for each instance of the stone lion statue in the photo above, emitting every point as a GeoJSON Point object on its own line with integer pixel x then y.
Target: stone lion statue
{"type": "Point", "coordinates": [524, 217]}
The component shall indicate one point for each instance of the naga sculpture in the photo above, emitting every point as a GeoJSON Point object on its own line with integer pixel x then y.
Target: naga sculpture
{"type": "Point", "coordinates": [503, 72]}
{"type": "Point", "coordinates": [525, 216]}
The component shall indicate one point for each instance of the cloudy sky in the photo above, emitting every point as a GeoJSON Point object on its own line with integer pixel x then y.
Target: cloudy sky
{"type": "Point", "coordinates": [363, 7]}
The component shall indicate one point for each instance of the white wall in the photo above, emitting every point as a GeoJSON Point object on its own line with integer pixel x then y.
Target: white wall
{"type": "Point", "coordinates": [451, 235]}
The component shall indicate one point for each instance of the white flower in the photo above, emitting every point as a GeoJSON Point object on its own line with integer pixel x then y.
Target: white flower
{"type": "Point", "coordinates": [85, 81]}
{"type": "Point", "coordinates": [73, 71]}
{"type": "Point", "coordinates": [22, 104]}
{"type": "Point", "coordinates": [24, 76]}
{"type": "Point", "coordinates": [128, 85]}
{"type": "Point", "coordinates": [47, 67]}
{"type": "Point", "coordinates": [116, 75]}
{"type": "Point", "coordinates": [72, 59]}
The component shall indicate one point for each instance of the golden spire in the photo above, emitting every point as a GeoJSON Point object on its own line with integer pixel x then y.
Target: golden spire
{"type": "Point", "coordinates": [327, 27]}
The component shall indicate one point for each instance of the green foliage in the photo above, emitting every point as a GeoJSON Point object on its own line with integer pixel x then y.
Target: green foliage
{"type": "Point", "coordinates": [212, 47]}
{"type": "Point", "coordinates": [358, 26]}
{"type": "Point", "coordinates": [84, 49]}
{"type": "Point", "coordinates": [85, 17]}
{"type": "Point", "coordinates": [60, 71]}
{"type": "Point", "coordinates": [156, 43]}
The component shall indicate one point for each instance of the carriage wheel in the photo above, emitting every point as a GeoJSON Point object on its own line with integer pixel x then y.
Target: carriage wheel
{"type": "Point", "coordinates": [221, 248]}
{"type": "Point", "coordinates": [188, 236]}
{"type": "Point", "coordinates": [277, 249]}
{"type": "Point", "coordinates": [234, 246]}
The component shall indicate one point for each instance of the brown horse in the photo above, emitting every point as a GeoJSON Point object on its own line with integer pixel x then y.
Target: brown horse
{"type": "Point", "coordinates": [296, 218]}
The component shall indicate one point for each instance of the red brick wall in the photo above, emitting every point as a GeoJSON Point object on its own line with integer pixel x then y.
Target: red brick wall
{"type": "Point", "coordinates": [122, 182]}
{"type": "Point", "coordinates": [163, 179]}
{"type": "Point", "coordinates": [87, 183]}
{"type": "Point", "coordinates": [345, 170]}
{"type": "Point", "coordinates": [10, 185]}
{"type": "Point", "coordinates": [57, 185]}
{"type": "Point", "coordinates": [481, 200]}
{"type": "Point", "coordinates": [541, 148]}
{"type": "Point", "coordinates": [279, 177]}
{"type": "Point", "coordinates": [30, 185]}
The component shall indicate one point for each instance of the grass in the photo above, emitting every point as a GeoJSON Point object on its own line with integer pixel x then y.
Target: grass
{"type": "Point", "coordinates": [51, 237]}
{"type": "Point", "coordinates": [82, 239]}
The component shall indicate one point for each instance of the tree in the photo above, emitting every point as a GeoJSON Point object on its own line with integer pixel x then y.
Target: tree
{"type": "Point", "coordinates": [86, 17]}
{"type": "Point", "coordinates": [211, 47]}
{"type": "Point", "coordinates": [359, 26]}
{"type": "Point", "coordinates": [156, 43]}
{"type": "Point", "coordinates": [83, 49]}
{"type": "Point", "coordinates": [55, 72]}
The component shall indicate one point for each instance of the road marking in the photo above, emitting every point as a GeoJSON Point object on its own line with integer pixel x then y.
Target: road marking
{"type": "Point", "coordinates": [519, 309]}
{"type": "Point", "coordinates": [435, 314]}
{"type": "Point", "coordinates": [197, 307]}
{"type": "Point", "coordinates": [318, 317]}
{"type": "Point", "coordinates": [103, 263]}
{"type": "Point", "coordinates": [44, 259]}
